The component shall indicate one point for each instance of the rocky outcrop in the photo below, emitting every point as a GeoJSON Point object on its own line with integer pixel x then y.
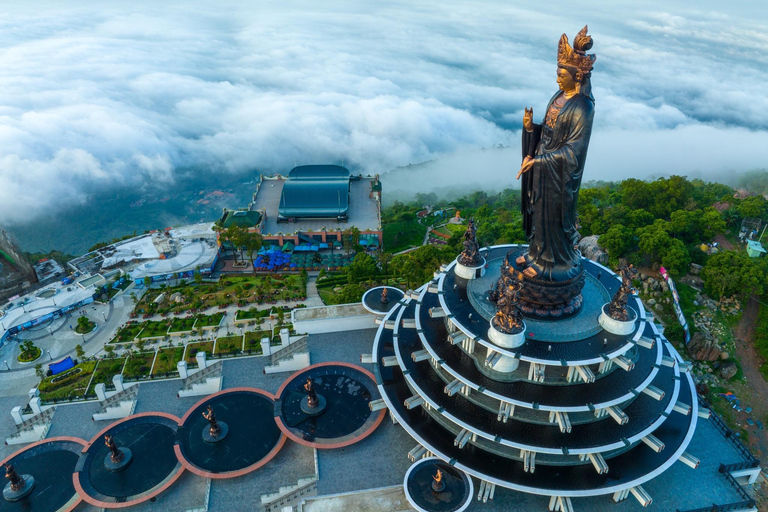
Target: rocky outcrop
{"type": "Point", "coordinates": [728, 370]}
{"type": "Point", "coordinates": [704, 348]}
{"type": "Point", "coordinates": [591, 249]}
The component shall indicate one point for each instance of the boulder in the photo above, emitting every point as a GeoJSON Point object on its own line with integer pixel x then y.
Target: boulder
{"type": "Point", "coordinates": [651, 302]}
{"type": "Point", "coordinates": [728, 370]}
{"type": "Point", "coordinates": [590, 248]}
{"type": "Point", "coordinates": [704, 348]}
{"type": "Point", "coordinates": [696, 268]}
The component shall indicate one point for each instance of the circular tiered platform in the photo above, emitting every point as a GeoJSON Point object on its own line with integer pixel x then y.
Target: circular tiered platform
{"type": "Point", "coordinates": [153, 468]}
{"type": "Point", "coordinates": [585, 413]}
{"type": "Point", "coordinates": [51, 463]}
{"type": "Point", "coordinates": [252, 440]}
{"type": "Point", "coordinates": [347, 389]}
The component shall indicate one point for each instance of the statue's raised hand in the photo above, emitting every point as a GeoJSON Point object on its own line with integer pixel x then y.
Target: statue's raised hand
{"type": "Point", "coordinates": [528, 119]}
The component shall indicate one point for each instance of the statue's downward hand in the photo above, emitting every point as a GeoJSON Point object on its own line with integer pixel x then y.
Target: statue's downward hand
{"type": "Point", "coordinates": [527, 166]}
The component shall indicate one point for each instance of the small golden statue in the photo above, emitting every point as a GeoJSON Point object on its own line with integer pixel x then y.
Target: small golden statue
{"type": "Point", "coordinates": [437, 481]}
{"type": "Point", "coordinates": [384, 296]}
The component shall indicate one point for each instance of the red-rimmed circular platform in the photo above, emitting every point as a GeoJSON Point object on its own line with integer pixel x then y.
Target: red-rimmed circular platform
{"type": "Point", "coordinates": [348, 390]}
{"type": "Point", "coordinates": [50, 462]}
{"type": "Point", "coordinates": [253, 438]}
{"type": "Point", "coordinates": [151, 437]}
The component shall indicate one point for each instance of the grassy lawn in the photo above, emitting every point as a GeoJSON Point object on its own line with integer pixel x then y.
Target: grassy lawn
{"type": "Point", "coordinates": [154, 328]}
{"type": "Point", "coordinates": [402, 235]}
{"type": "Point", "coordinates": [167, 359]}
{"type": "Point", "coordinates": [69, 384]}
{"type": "Point", "coordinates": [138, 365]}
{"type": "Point", "coordinates": [194, 348]}
{"type": "Point", "coordinates": [104, 372]}
{"type": "Point", "coordinates": [182, 324]}
{"type": "Point", "coordinates": [228, 344]}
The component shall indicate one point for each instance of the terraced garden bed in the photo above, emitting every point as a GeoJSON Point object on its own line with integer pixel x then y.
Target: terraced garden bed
{"type": "Point", "coordinates": [138, 365]}
{"type": "Point", "coordinates": [68, 385]}
{"type": "Point", "coordinates": [182, 324]}
{"type": "Point", "coordinates": [194, 348]}
{"type": "Point", "coordinates": [228, 345]}
{"type": "Point", "coordinates": [166, 360]}
{"type": "Point", "coordinates": [106, 369]}
{"type": "Point", "coordinates": [154, 329]}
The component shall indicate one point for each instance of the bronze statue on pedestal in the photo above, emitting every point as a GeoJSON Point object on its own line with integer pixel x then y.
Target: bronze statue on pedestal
{"type": "Point", "coordinates": [17, 482]}
{"type": "Point", "coordinates": [214, 430]}
{"type": "Point", "coordinates": [384, 296]}
{"type": "Point", "coordinates": [470, 256]}
{"type": "Point", "coordinates": [116, 455]}
{"type": "Point", "coordinates": [506, 294]}
{"type": "Point", "coordinates": [309, 387]}
{"type": "Point", "coordinates": [554, 154]}
{"type": "Point", "coordinates": [618, 306]}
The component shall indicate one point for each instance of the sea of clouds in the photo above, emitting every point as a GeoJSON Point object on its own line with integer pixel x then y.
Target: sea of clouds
{"type": "Point", "coordinates": [97, 95]}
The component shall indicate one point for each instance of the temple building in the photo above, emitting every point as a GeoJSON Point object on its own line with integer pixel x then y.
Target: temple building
{"type": "Point", "coordinates": [312, 206]}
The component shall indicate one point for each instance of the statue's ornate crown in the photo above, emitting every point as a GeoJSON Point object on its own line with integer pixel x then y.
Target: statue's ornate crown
{"type": "Point", "coordinates": [576, 56]}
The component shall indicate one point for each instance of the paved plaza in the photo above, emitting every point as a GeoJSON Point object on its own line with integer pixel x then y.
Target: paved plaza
{"type": "Point", "coordinates": [377, 462]}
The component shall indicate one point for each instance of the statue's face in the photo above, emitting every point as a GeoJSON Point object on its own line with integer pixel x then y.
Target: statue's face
{"type": "Point", "coordinates": [564, 80]}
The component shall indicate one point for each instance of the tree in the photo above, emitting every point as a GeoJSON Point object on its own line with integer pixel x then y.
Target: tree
{"type": "Point", "coordinates": [639, 218]}
{"type": "Point", "coordinates": [83, 324]}
{"type": "Point", "coordinates": [653, 239]}
{"type": "Point", "coordinates": [236, 236]}
{"type": "Point", "coordinates": [733, 272]}
{"type": "Point", "coordinates": [676, 258]}
{"type": "Point", "coordinates": [39, 371]}
{"type": "Point", "coordinates": [711, 223]}
{"type": "Point", "coordinates": [141, 344]}
{"type": "Point", "coordinates": [252, 243]}
{"type": "Point", "coordinates": [109, 349]}
{"type": "Point", "coordinates": [362, 266]}
{"type": "Point", "coordinates": [198, 276]}
{"type": "Point", "coordinates": [79, 352]}
{"type": "Point", "coordinates": [147, 281]}
{"type": "Point", "coordinates": [754, 206]}
{"type": "Point", "coordinates": [618, 240]}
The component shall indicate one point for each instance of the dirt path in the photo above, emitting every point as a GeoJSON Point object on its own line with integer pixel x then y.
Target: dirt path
{"type": "Point", "coordinates": [756, 384]}
{"type": "Point", "coordinates": [724, 242]}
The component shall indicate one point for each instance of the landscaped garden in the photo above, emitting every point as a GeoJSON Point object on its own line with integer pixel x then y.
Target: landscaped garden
{"type": "Point", "coordinates": [253, 340]}
{"type": "Point", "coordinates": [67, 385]}
{"type": "Point", "coordinates": [230, 290]}
{"type": "Point", "coordinates": [209, 320]}
{"type": "Point", "coordinates": [29, 352]}
{"type": "Point", "coordinates": [182, 324]}
{"type": "Point", "coordinates": [194, 348]}
{"type": "Point", "coordinates": [84, 325]}
{"type": "Point", "coordinates": [251, 314]}
{"type": "Point", "coordinates": [127, 333]}
{"type": "Point", "coordinates": [106, 369]}
{"type": "Point", "coordinates": [228, 345]}
{"type": "Point", "coordinates": [166, 360]}
{"type": "Point", "coordinates": [138, 365]}
{"type": "Point", "coordinates": [154, 329]}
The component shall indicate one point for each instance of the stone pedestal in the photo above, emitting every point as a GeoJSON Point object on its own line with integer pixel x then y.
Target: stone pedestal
{"type": "Point", "coordinates": [223, 431]}
{"type": "Point", "coordinates": [121, 465]}
{"type": "Point", "coordinates": [117, 380]}
{"type": "Point", "coordinates": [101, 393]}
{"type": "Point", "coordinates": [201, 360]}
{"type": "Point", "coordinates": [26, 489]}
{"type": "Point", "coordinates": [506, 364]}
{"type": "Point", "coordinates": [618, 327]}
{"type": "Point", "coordinates": [466, 272]}
{"type": "Point", "coordinates": [317, 410]}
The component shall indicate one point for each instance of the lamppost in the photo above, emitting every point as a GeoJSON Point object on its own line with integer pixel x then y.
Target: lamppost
{"type": "Point", "coordinates": [105, 315]}
{"type": "Point", "coordinates": [49, 355]}
{"type": "Point", "coordinates": [6, 365]}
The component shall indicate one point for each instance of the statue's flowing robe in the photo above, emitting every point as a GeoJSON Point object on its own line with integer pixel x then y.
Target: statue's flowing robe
{"type": "Point", "coordinates": [550, 190]}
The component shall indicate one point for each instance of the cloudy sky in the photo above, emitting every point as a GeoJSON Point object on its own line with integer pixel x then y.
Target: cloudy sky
{"type": "Point", "coordinates": [107, 95]}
